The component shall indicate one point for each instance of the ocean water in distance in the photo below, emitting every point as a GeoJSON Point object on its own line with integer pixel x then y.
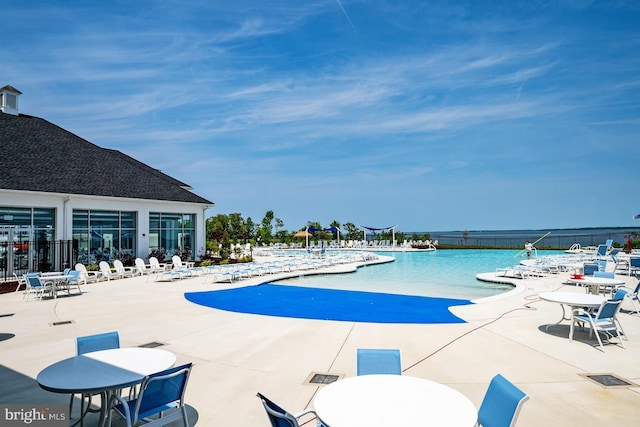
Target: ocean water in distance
{"type": "Point", "coordinates": [442, 273]}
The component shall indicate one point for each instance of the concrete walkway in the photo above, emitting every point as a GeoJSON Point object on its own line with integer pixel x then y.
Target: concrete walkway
{"type": "Point", "coordinates": [236, 355]}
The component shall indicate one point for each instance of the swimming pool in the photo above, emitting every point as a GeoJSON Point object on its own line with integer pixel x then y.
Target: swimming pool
{"type": "Point", "coordinates": [443, 273]}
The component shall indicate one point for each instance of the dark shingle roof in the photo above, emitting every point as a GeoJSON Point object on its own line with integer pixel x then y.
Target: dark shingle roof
{"type": "Point", "coordinates": [36, 155]}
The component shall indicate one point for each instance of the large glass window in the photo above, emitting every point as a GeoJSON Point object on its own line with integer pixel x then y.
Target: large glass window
{"type": "Point", "coordinates": [105, 235]}
{"type": "Point", "coordinates": [32, 235]}
{"type": "Point", "coordinates": [171, 234]}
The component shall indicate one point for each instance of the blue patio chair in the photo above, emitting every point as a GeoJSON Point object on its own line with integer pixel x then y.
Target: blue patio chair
{"type": "Point", "coordinates": [37, 286]}
{"type": "Point", "coordinates": [160, 394]}
{"type": "Point", "coordinates": [282, 418]}
{"type": "Point", "coordinates": [589, 268]}
{"type": "Point", "coordinates": [604, 274]}
{"type": "Point", "coordinates": [378, 361]}
{"type": "Point", "coordinates": [633, 296]}
{"type": "Point", "coordinates": [619, 294]}
{"type": "Point", "coordinates": [634, 266]}
{"type": "Point", "coordinates": [501, 404]}
{"type": "Point", "coordinates": [74, 280]}
{"type": "Point", "coordinates": [97, 342]}
{"type": "Point", "coordinates": [602, 251]}
{"type": "Point", "coordinates": [604, 320]}
{"type": "Point", "coordinates": [87, 344]}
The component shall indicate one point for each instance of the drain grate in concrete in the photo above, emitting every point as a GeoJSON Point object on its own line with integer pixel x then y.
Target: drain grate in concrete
{"type": "Point", "coordinates": [609, 380]}
{"type": "Point", "coordinates": [152, 344]}
{"type": "Point", "coordinates": [62, 322]}
{"type": "Point", "coordinates": [323, 378]}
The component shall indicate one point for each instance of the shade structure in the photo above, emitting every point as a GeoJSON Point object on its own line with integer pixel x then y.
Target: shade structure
{"type": "Point", "coordinates": [302, 233]}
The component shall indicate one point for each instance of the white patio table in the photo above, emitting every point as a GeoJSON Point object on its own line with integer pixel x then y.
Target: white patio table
{"type": "Point", "coordinates": [596, 284]}
{"type": "Point", "coordinates": [573, 300]}
{"type": "Point", "coordinates": [392, 400]}
{"type": "Point", "coordinates": [60, 282]}
{"type": "Point", "coordinates": [104, 372]}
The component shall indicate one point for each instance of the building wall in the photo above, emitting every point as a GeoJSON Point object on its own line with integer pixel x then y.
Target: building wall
{"type": "Point", "coordinates": [64, 204]}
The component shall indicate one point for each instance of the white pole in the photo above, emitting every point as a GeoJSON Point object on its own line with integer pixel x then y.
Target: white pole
{"type": "Point", "coordinates": [306, 235]}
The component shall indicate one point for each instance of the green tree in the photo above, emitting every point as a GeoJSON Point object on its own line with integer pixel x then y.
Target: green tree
{"type": "Point", "coordinates": [353, 232]}
{"type": "Point", "coordinates": [266, 227]}
{"type": "Point", "coordinates": [236, 227]}
{"type": "Point", "coordinates": [249, 230]}
{"type": "Point", "coordinates": [218, 238]}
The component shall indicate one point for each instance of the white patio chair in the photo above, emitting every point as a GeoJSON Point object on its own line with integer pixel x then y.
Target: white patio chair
{"type": "Point", "coordinates": [124, 271]}
{"type": "Point", "coordinates": [141, 268]}
{"type": "Point", "coordinates": [156, 266]}
{"type": "Point", "coordinates": [87, 276]}
{"type": "Point", "coordinates": [107, 272]}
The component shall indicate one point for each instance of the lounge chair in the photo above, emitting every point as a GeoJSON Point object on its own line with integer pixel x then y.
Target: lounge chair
{"type": "Point", "coordinates": [604, 320]}
{"type": "Point", "coordinates": [107, 272]}
{"type": "Point", "coordinates": [282, 418]}
{"type": "Point", "coordinates": [160, 394]}
{"type": "Point", "coordinates": [183, 268]}
{"type": "Point", "coordinates": [142, 268]}
{"type": "Point", "coordinates": [501, 404]}
{"type": "Point", "coordinates": [124, 271]}
{"type": "Point", "coordinates": [378, 361]}
{"type": "Point", "coordinates": [87, 276]}
{"type": "Point", "coordinates": [156, 266]}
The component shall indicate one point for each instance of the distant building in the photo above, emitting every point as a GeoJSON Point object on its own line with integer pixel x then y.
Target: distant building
{"type": "Point", "coordinates": [54, 185]}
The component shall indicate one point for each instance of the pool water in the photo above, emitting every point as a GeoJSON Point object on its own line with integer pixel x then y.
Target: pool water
{"type": "Point", "coordinates": [442, 273]}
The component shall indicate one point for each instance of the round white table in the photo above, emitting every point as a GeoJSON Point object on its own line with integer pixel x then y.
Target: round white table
{"type": "Point", "coordinates": [103, 372]}
{"type": "Point", "coordinates": [392, 400]}
{"type": "Point", "coordinates": [573, 300]}
{"type": "Point", "coordinates": [596, 283]}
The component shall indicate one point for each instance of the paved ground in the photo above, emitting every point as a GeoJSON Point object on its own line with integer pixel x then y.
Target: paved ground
{"type": "Point", "coordinates": [236, 355]}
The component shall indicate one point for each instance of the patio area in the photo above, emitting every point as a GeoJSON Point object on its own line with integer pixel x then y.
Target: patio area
{"type": "Point", "coordinates": [236, 355]}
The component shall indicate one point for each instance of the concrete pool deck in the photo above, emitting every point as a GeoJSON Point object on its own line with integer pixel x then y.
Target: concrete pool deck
{"type": "Point", "coordinates": [236, 355]}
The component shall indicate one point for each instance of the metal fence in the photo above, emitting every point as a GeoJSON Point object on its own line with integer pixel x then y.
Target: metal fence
{"type": "Point", "coordinates": [553, 241]}
{"type": "Point", "coordinates": [25, 257]}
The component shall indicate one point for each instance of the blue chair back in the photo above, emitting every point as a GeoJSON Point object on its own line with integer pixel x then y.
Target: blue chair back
{"type": "Point", "coordinates": [97, 342]}
{"type": "Point", "coordinates": [161, 391]}
{"type": "Point", "coordinates": [501, 404]}
{"type": "Point", "coordinates": [620, 294]}
{"type": "Point", "coordinates": [74, 276]}
{"type": "Point", "coordinates": [33, 280]}
{"type": "Point", "coordinates": [602, 250]}
{"type": "Point", "coordinates": [634, 262]}
{"type": "Point", "coordinates": [609, 309]}
{"type": "Point", "coordinates": [378, 361]}
{"type": "Point", "coordinates": [278, 416]}
{"type": "Point", "coordinates": [590, 268]}
{"type": "Point", "coordinates": [604, 274]}
{"type": "Point", "coordinates": [602, 264]}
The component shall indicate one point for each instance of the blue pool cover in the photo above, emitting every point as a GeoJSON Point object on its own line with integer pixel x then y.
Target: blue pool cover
{"type": "Point", "coordinates": [329, 304]}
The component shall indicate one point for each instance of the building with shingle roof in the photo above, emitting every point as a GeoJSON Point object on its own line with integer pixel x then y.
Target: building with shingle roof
{"type": "Point", "coordinates": [108, 203]}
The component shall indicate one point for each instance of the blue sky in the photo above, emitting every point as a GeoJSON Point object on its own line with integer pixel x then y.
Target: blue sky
{"type": "Point", "coordinates": [430, 115]}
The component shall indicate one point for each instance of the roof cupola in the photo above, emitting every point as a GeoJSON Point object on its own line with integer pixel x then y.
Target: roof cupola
{"type": "Point", "coordinates": [9, 100]}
